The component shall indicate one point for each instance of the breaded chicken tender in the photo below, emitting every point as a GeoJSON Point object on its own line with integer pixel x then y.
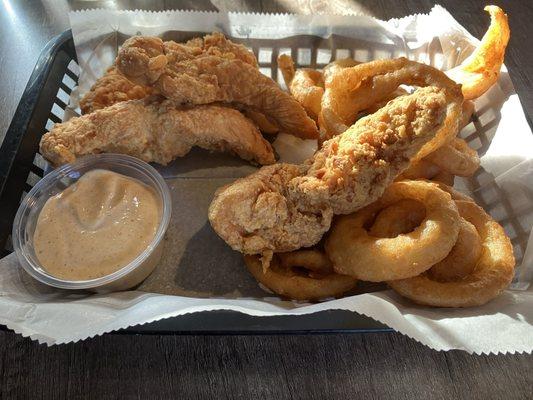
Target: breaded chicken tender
{"type": "Point", "coordinates": [285, 207]}
{"type": "Point", "coordinates": [353, 169]}
{"type": "Point", "coordinates": [156, 130]}
{"type": "Point", "coordinates": [254, 214]}
{"type": "Point", "coordinates": [189, 75]}
{"type": "Point", "coordinates": [113, 87]}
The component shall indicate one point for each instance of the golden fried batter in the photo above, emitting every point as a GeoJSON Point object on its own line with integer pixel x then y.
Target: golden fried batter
{"type": "Point", "coordinates": [112, 88]}
{"type": "Point", "coordinates": [285, 207]}
{"type": "Point", "coordinates": [481, 69]}
{"type": "Point", "coordinates": [353, 169]}
{"type": "Point", "coordinates": [254, 214]}
{"type": "Point", "coordinates": [188, 75]}
{"type": "Point", "coordinates": [216, 44]}
{"type": "Point", "coordinates": [262, 122]}
{"type": "Point", "coordinates": [354, 89]}
{"type": "Point", "coordinates": [156, 130]}
{"type": "Point", "coordinates": [305, 84]}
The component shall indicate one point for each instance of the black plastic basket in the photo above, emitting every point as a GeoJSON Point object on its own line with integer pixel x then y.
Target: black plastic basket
{"type": "Point", "coordinates": [21, 166]}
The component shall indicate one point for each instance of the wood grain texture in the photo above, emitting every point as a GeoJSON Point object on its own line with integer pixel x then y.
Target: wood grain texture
{"type": "Point", "coordinates": [380, 365]}
{"type": "Point", "coordinates": [373, 366]}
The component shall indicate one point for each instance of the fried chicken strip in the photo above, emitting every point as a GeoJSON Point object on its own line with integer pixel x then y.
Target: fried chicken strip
{"type": "Point", "coordinates": [182, 74]}
{"type": "Point", "coordinates": [352, 90]}
{"type": "Point", "coordinates": [352, 170]}
{"type": "Point", "coordinates": [156, 130]}
{"type": "Point", "coordinates": [254, 214]}
{"type": "Point", "coordinates": [285, 207]}
{"type": "Point", "coordinates": [112, 88]}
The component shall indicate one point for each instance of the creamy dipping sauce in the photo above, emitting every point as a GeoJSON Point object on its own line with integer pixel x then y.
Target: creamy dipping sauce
{"type": "Point", "coordinates": [96, 226]}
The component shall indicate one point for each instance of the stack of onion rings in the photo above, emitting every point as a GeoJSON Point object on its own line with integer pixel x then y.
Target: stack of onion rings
{"type": "Point", "coordinates": [307, 85]}
{"type": "Point", "coordinates": [490, 274]}
{"type": "Point", "coordinates": [300, 275]}
{"type": "Point", "coordinates": [479, 265]}
{"type": "Point", "coordinates": [403, 216]}
{"type": "Point", "coordinates": [355, 252]}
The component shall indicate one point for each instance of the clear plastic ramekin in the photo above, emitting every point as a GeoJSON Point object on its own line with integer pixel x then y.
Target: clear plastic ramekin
{"type": "Point", "coordinates": [58, 180]}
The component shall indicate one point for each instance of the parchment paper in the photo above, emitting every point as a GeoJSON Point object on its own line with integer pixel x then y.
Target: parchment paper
{"type": "Point", "coordinates": [200, 272]}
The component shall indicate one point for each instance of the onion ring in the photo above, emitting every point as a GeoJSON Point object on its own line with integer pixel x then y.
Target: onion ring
{"type": "Point", "coordinates": [295, 283]}
{"type": "Point", "coordinates": [456, 195]}
{"type": "Point", "coordinates": [462, 259]}
{"type": "Point", "coordinates": [333, 67]}
{"type": "Point", "coordinates": [379, 104]}
{"type": "Point", "coordinates": [354, 252]}
{"type": "Point", "coordinates": [466, 114]}
{"type": "Point", "coordinates": [305, 85]}
{"type": "Point", "coordinates": [310, 259]}
{"type": "Point", "coordinates": [482, 68]}
{"type": "Point", "coordinates": [421, 169]}
{"type": "Point", "coordinates": [444, 177]}
{"type": "Point", "coordinates": [399, 218]}
{"type": "Point", "coordinates": [405, 215]}
{"type": "Point", "coordinates": [424, 169]}
{"type": "Point", "coordinates": [493, 271]}
{"type": "Point", "coordinates": [286, 66]}
{"type": "Point", "coordinates": [351, 90]}
{"type": "Point", "coordinates": [456, 157]}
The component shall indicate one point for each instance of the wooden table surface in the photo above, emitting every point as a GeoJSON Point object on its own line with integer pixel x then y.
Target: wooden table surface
{"type": "Point", "coordinates": [371, 365]}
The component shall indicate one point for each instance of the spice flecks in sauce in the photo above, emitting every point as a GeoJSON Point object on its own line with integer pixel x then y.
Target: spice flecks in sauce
{"type": "Point", "coordinates": [96, 226]}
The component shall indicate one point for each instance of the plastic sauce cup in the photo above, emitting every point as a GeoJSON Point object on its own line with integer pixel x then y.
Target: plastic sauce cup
{"type": "Point", "coordinates": [55, 182]}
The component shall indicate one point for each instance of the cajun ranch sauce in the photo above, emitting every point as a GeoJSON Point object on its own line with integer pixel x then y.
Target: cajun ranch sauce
{"type": "Point", "coordinates": [96, 226]}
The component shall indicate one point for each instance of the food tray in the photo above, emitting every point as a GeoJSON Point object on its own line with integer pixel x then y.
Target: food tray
{"type": "Point", "coordinates": [21, 166]}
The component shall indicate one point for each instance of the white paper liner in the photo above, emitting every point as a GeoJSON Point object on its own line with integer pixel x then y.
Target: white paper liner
{"type": "Point", "coordinates": [501, 326]}
{"type": "Point", "coordinates": [500, 133]}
